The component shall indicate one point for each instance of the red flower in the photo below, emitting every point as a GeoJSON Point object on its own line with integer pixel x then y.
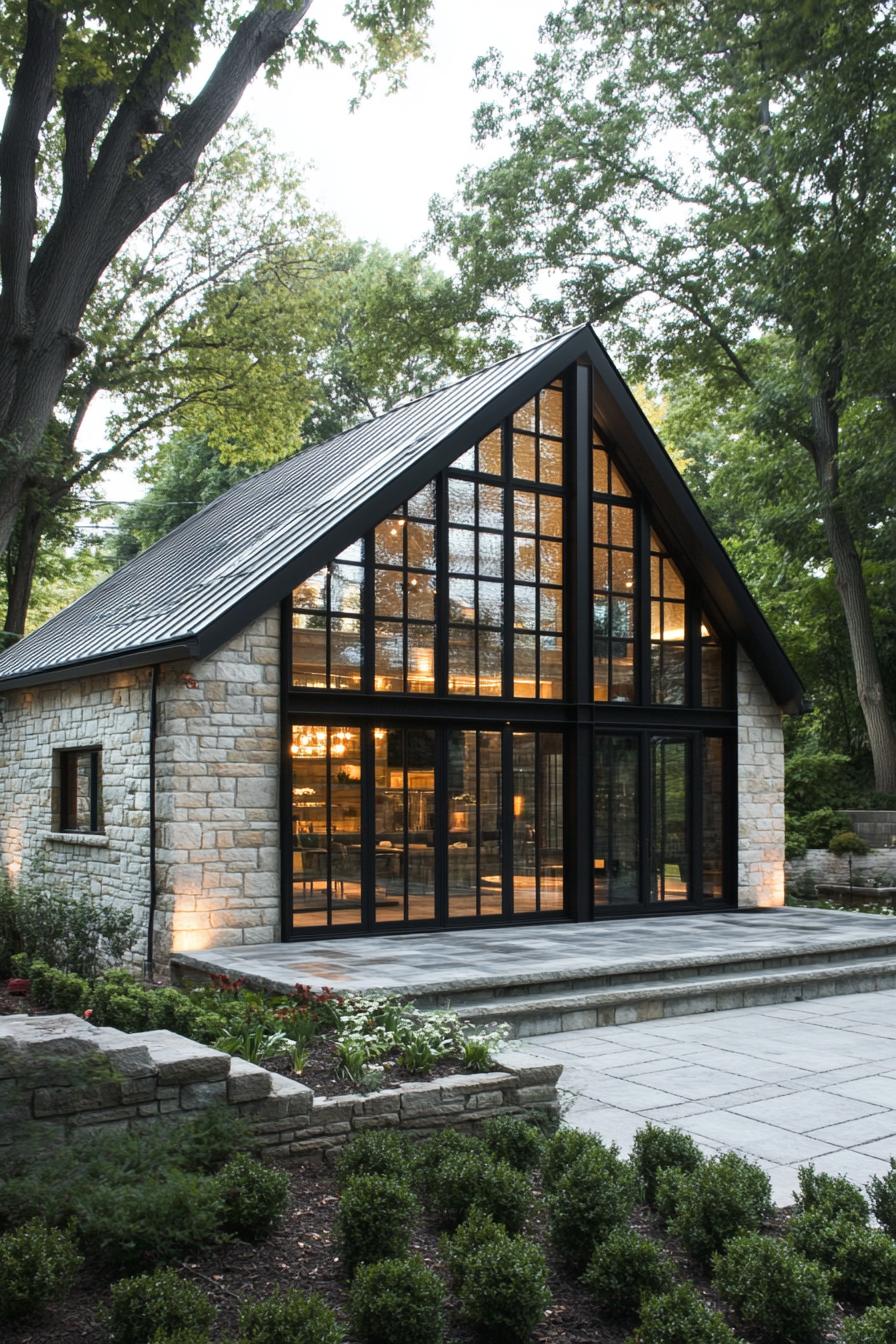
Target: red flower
{"type": "Point", "coordinates": [88, 1013]}
{"type": "Point", "coordinates": [18, 986]}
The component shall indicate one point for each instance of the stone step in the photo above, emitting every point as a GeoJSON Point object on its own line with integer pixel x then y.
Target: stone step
{"type": "Point", "coordinates": [585, 979]}
{"type": "Point", "coordinates": [653, 998]}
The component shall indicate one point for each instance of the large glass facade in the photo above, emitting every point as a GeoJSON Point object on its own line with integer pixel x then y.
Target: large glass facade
{"type": "Point", "coordinates": [445, 720]}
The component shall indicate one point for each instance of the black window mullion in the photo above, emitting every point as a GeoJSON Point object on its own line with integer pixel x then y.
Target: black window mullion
{"type": "Point", "coordinates": [477, 829]}
{"type": "Point", "coordinates": [508, 822]}
{"type": "Point", "coordinates": [328, 822]}
{"type": "Point", "coordinates": [645, 815]}
{"type": "Point", "coordinates": [368, 828]}
{"type": "Point", "coordinates": [696, 748]}
{"type": "Point", "coordinates": [404, 817]}
{"type": "Point", "coordinates": [368, 615]}
{"type": "Point", "coordinates": [440, 828]}
{"type": "Point", "coordinates": [507, 660]}
{"type": "Point", "coordinates": [94, 790]}
{"type": "Point", "coordinates": [643, 650]}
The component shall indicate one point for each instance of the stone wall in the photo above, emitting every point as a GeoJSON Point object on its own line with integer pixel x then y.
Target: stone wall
{"type": "Point", "coordinates": [760, 789]}
{"type": "Point", "coordinates": [61, 1078]}
{"type": "Point", "coordinates": [111, 712]}
{"type": "Point", "coordinates": [819, 865]}
{"type": "Point", "coordinates": [217, 795]}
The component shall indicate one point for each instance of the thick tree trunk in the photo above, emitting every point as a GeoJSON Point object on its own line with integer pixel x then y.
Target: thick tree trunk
{"type": "Point", "coordinates": [850, 583]}
{"type": "Point", "coordinates": [21, 569]}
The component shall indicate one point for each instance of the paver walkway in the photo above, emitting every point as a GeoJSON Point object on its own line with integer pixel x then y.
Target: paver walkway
{"type": "Point", "coordinates": [783, 1085]}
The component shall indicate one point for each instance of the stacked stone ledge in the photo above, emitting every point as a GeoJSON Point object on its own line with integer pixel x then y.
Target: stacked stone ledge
{"type": "Point", "coordinates": [61, 1078]}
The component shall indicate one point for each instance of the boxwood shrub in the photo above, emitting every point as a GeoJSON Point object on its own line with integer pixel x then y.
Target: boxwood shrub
{"type": "Point", "coordinates": [288, 1318]}
{"type": "Point", "coordinates": [834, 1196]}
{"type": "Point", "coordinates": [656, 1149]}
{"type": "Point", "coordinates": [397, 1302]}
{"type": "Point", "coordinates": [503, 1289]}
{"type": "Point", "coordinates": [375, 1152]}
{"type": "Point", "coordinates": [680, 1317]}
{"type": "Point", "coordinates": [596, 1194]}
{"type": "Point", "coordinates": [721, 1197]}
{"type": "Point", "coordinates": [882, 1190]}
{"type": "Point", "coordinates": [459, 1246]}
{"type": "Point", "coordinates": [876, 1326]}
{"type": "Point", "coordinates": [38, 1265]}
{"type": "Point", "coordinates": [864, 1269]}
{"type": "Point", "coordinates": [253, 1197]}
{"type": "Point", "coordinates": [774, 1290]}
{"type": "Point", "coordinates": [562, 1149]}
{"type": "Point", "coordinates": [473, 1179]}
{"type": "Point", "coordinates": [512, 1139]}
{"type": "Point", "coordinates": [375, 1218]}
{"type": "Point", "coordinates": [624, 1270]}
{"type": "Point", "coordinates": [160, 1303]}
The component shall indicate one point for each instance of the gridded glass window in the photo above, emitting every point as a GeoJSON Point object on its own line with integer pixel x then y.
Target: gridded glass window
{"type": "Point", "coordinates": [538, 438]}
{"type": "Point", "coordinates": [475, 886]}
{"type": "Point", "coordinates": [476, 573]}
{"type": "Point", "coordinates": [667, 627]}
{"type": "Point", "coordinates": [404, 597]}
{"type": "Point", "coordinates": [670, 842]}
{"type": "Point", "coordinates": [80, 802]}
{"type": "Point", "coordinates": [404, 841]}
{"type": "Point", "coordinates": [711, 687]}
{"type": "Point", "coordinates": [326, 825]}
{"type": "Point", "coordinates": [537, 595]}
{"type": "Point", "coordinates": [616, 821]}
{"type": "Point", "coordinates": [713, 805]}
{"type": "Point", "coordinates": [537, 822]}
{"type": "Point", "coordinates": [326, 623]}
{"type": "Point", "coordinates": [615, 599]}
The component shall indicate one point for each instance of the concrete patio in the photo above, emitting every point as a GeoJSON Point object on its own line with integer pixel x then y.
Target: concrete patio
{"type": "Point", "coordinates": [784, 1085]}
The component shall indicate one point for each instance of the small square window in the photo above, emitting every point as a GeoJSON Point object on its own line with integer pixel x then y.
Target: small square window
{"type": "Point", "coordinates": [79, 790]}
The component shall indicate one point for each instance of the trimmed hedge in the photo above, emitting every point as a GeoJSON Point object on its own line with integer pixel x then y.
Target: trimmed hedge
{"type": "Point", "coordinates": [289, 1318]}
{"type": "Point", "coordinates": [161, 1303]}
{"type": "Point", "coordinates": [595, 1195]}
{"type": "Point", "coordinates": [38, 1265]}
{"type": "Point", "coordinates": [774, 1290]}
{"type": "Point", "coordinates": [655, 1150]}
{"type": "Point", "coordinates": [625, 1269]}
{"type": "Point", "coordinates": [725, 1195]}
{"type": "Point", "coordinates": [680, 1317]}
{"type": "Point", "coordinates": [397, 1302]}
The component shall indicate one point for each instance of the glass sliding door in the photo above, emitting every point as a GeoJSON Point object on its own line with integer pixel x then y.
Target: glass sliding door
{"type": "Point", "coordinates": [475, 885]}
{"type": "Point", "coordinates": [617, 813]}
{"type": "Point", "coordinates": [670, 878]}
{"type": "Point", "coordinates": [405, 812]}
{"type": "Point", "coordinates": [325, 860]}
{"type": "Point", "coordinates": [538, 857]}
{"type": "Point", "coordinates": [713, 807]}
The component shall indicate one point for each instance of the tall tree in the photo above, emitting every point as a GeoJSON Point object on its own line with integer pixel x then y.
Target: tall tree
{"type": "Point", "coordinates": [97, 91]}
{"type": "Point", "coordinates": [693, 175]}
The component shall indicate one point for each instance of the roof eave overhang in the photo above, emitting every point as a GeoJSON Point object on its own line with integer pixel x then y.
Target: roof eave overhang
{"type": "Point", "coordinates": [94, 667]}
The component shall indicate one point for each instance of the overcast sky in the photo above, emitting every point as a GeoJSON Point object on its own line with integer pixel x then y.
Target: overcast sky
{"type": "Point", "coordinates": [376, 168]}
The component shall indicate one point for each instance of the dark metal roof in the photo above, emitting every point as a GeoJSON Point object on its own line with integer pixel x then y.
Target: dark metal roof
{"type": "Point", "coordinates": [207, 579]}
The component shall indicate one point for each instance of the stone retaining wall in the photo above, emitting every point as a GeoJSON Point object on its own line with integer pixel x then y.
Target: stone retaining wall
{"type": "Point", "coordinates": [819, 865]}
{"type": "Point", "coordinates": [61, 1078]}
{"type": "Point", "coordinates": [760, 790]}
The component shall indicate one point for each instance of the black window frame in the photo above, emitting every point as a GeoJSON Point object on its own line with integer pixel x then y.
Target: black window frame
{"type": "Point", "coordinates": [67, 765]}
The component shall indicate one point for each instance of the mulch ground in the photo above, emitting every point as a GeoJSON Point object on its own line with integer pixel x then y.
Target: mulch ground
{"type": "Point", "coordinates": [302, 1254]}
{"type": "Point", "coordinates": [323, 1077]}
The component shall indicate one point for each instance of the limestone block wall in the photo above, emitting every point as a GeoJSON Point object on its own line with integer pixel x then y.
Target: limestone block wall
{"type": "Point", "coordinates": [217, 795]}
{"type": "Point", "coordinates": [878, 868]}
{"type": "Point", "coordinates": [760, 788]}
{"type": "Point", "coordinates": [111, 712]}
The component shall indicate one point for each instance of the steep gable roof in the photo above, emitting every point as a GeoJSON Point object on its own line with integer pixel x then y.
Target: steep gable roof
{"type": "Point", "coordinates": [242, 553]}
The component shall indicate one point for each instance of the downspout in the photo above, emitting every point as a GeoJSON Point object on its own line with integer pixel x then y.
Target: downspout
{"type": "Point", "coordinates": [153, 725]}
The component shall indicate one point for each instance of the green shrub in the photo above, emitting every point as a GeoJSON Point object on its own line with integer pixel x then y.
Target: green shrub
{"type": "Point", "coordinates": [512, 1139]}
{"type": "Point", "coordinates": [156, 1220]}
{"type": "Point", "coordinates": [160, 1303]}
{"type": "Point", "coordinates": [847, 842]}
{"type": "Point", "coordinates": [376, 1214]}
{"type": "Point", "coordinates": [375, 1152]}
{"type": "Point", "coordinates": [474, 1232]}
{"type": "Point", "coordinates": [876, 1326]}
{"type": "Point", "coordinates": [813, 779]}
{"type": "Point", "coordinates": [68, 930]}
{"type": "Point", "coordinates": [835, 1196]}
{"type": "Point", "coordinates": [448, 1143]}
{"type": "Point", "coordinates": [680, 1317]}
{"type": "Point", "coordinates": [562, 1149]}
{"type": "Point", "coordinates": [882, 1190]}
{"type": "Point", "coordinates": [189, 1335]}
{"type": "Point", "coordinates": [624, 1270]}
{"type": "Point", "coordinates": [816, 1235]}
{"type": "Point", "coordinates": [820, 826]}
{"type": "Point", "coordinates": [209, 1141]}
{"type": "Point", "coordinates": [774, 1290]}
{"type": "Point", "coordinates": [596, 1194]}
{"type": "Point", "coordinates": [288, 1318]}
{"type": "Point", "coordinates": [473, 1179]}
{"type": "Point", "coordinates": [655, 1149]}
{"type": "Point", "coordinates": [864, 1269]}
{"type": "Point", "coordinates": [503, 1290]}
{"type": "Point", "coordinates": [397, 1302]}
{"type": "Point", "coordinates": [669, 1181]}
{"type": "Point", "coordinates": [723, 1196]}
{"type": "Point", "coordinates": [37, 1265]}
{"type": "Point", "coordinates": [61, 990]}
{"type": "Point", "coordinates": [253, 1197]}
{"type": "Point", "coordinates": [794, 839]}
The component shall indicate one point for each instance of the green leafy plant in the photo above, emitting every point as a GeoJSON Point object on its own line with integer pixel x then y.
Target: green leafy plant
{"type": "Point", "coordinates": [623, 1270]}
{"type": "Point", "coordinates": [160, 1303]}
{"type": "Point", "coordinates": [417, 1054]}
{"type": "Point", "coordinates": [253, 1197]}
{"type": "Point", "coordinates": [656, 1149]}
{"type": "Point", "coordinates": [154, 1221]}
{"type": "Point", "coordinates": [459, 1246]}
{"type": "Point", "coordinates": [476, 1055]}
{"type": "Point", "coordinates": [61, 990]}
{"type": "Point", "coordinates": [473, 1179]}
{"type": "Point", "coordinates": [821, 825]}
{"type": "Point", "coordinates": [288, 1318]}
{"type": "Point", "coordinates": [774, 1290]}
{"type": "Point", "coordinates": [834, 1196]}
{"type": "Point", "coordinates": [595, 1195]}
{"type": "Point", "coordinates": [882, 1190]}
{"type": "Point", "coordinates": [680, 1317]}
{"type": "Point", "coordinates": [864, 1268]}
{"type": "Point", "coordinates": [38, 1265]}
{"type": "Point", "coordinates": [512, 1139]}
{"type": "Point", "coordinates": [562, 1149]}
{"type": "Point", "coordinates": [352, 1055]}
{"type": "Point", "coordinates": [68, 930]}
{"type": "Point", "coordinates": [375, 1152]}
{"type": "Point", "coordinates": [433, 1152]}
{"type": "Point", "coordinates": [504, 1290]}
{"type": "Point", "coordinates": [721, 1197]}
{"type": "Point", "coordinates": [875, 1326]}
{"type": "Point", "coordinates": [847, 842]}
{"type": "Point", "coordinates": [397, 1302]}
{"type": "Point", "coordinates": [375, 1218]}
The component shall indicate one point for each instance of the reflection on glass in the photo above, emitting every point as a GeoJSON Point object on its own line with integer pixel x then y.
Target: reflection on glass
{"type": "Point", "coordinates": [710, 665]}
{"type": "Point", "coordinates": [326, 825]}
{"type": "Point", "coordinates": [474, 823]}
{"type": "Point", "coordinates": [713, 818]}
{"type": "Point", "coordinates": [537, 822]}
{"type": "Point", "coordinates": [326, 624]}
{"type": "Point", "coordinates": [615, 589]}
{"type": "Point", "coordinates": [668, 642]}
{"type": "Point", "coordinates": [669, 877]}
{"type": "Point", "coordinates": [616, 852]}
{"type": "Point", "coordinates": [404, 852]}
